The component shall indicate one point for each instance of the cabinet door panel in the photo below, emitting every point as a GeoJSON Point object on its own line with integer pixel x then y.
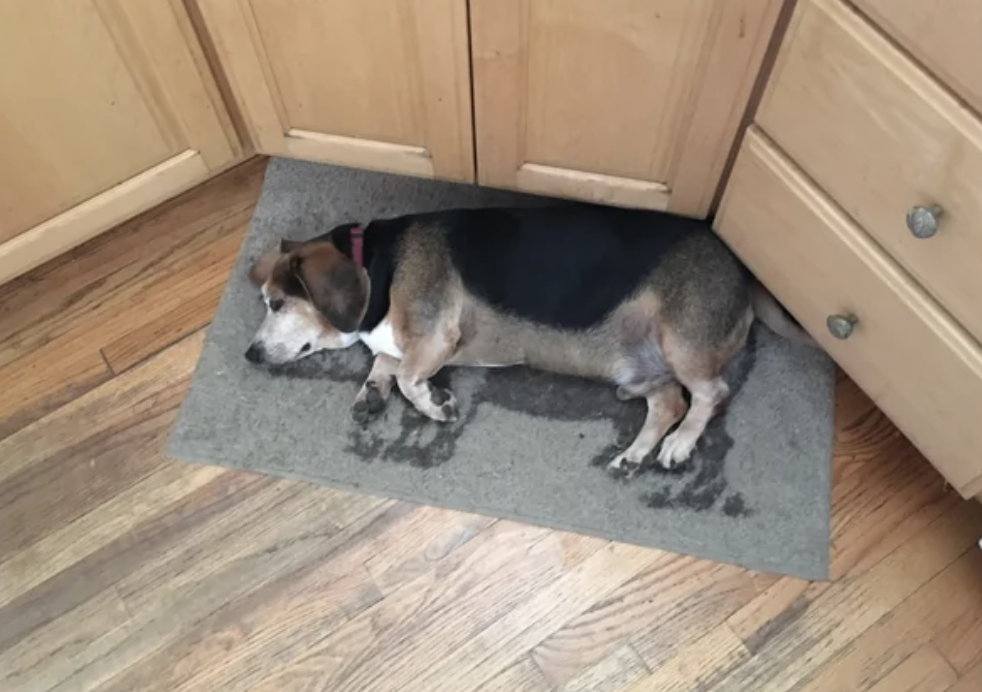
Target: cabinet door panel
{"type": "Point", "coordinates": [103, 113]}
{"type": "Point", "coordinates": [632, 102]}
{"type": "Point", "coordinates": [380, 84]}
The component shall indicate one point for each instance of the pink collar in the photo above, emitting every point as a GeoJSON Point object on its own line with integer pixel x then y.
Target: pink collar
{"type": "Point", "coordinates": [358, 245]}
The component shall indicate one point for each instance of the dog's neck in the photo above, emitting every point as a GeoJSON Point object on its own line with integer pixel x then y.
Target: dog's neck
{"type": "Point", "coordinates": [351, 242]}
{"type": "Point", "coordinates": [372, 248]}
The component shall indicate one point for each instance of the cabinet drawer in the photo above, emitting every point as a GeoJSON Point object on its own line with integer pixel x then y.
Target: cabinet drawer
{"type": "Point", "coordinates": [881, 137]}
{"type": "Point", "coordinates": [942, 34]}
{"type": "Point", "coordinates": [906, 353]}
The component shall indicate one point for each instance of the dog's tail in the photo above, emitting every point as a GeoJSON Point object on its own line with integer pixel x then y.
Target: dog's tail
{"type": "Point", "coordinates": [770, 312]}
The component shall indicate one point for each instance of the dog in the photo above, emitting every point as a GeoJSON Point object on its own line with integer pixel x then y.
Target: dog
{"type": "Point", "coordinates": [649, 301]}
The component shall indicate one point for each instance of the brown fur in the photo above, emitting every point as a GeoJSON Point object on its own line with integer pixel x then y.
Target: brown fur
{"type": "Point", "coordinates": [337, 287]}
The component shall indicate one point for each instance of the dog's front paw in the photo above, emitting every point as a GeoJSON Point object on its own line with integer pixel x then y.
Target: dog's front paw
{"type": "Point", "coordinates": [368, 404]}
{"type": "Point", "coordinates": [623, 466]}
{"type": "Point", "coordinates": [676, 450]}
{"type": "Point", "coordinates": [444, 405]}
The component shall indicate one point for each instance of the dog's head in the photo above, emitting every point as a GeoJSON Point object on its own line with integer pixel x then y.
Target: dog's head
{"type": "Point", "coordinates": [315, 299]}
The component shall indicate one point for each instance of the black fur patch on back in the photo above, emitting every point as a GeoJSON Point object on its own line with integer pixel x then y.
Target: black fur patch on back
{"type": "Point", "coordinates": [567, 266]}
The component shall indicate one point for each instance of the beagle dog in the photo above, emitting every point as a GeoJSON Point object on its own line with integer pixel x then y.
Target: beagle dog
{"type": "Point", "coordinates": [650, 302]}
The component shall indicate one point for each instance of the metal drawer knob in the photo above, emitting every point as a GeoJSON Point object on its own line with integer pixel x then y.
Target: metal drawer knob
{"type": "Point", "coordinates": [923, 221]}
{"type": "Point", "coordinates": [841, 326]}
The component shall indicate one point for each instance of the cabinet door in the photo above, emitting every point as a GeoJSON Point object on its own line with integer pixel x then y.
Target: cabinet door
{"type": "Point", "coordinates": [379, 84]}
{"type": "Point", "coordinates": [631, 102]}
{"type": "Point", "coordinates": [104, 112]}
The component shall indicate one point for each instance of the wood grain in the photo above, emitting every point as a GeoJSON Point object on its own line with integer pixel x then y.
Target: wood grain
{"type": "Point", "coordinates": [628, 102]}
{"type": "Point", "coordinates": [139, 573]}
{"type": "Point", "coordinates": [401, 103]}
{"type": "Point", "coordinates": [615, 671]}
{"type": "Point", "coordinates": [924, 671]}
{"type": "Point", "coordinates": [941, 34]}
{"type": "Point", "coordinates": [667, 605]}
{"type": "Point", "coordinates": [524, 676]}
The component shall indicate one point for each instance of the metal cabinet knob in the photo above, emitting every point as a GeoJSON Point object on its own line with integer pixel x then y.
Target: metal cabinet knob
{"type": "Point", "coordinates": [841, 326]}
{"type": "Point", "coordinates": [923, 221]}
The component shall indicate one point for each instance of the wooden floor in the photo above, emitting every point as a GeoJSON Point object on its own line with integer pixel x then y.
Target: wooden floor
{"type": "Point", "coordinates": [122, 571]}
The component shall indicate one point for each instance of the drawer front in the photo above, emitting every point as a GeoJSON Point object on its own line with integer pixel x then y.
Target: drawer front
{"type": "Point", "coordinates": [942, 34]}
{"type": "Point", "coordinates": [881, 137]}
{"type": "Point", "coordinates": [906, 353]}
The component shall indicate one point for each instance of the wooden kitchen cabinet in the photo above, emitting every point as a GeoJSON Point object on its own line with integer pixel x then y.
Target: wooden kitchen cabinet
{"type": "Point", "coordinates": [106, 109]}
{"type": "Point", "coordinates": [377, 84]}
{"type": "Point", "coordinates": [633, 102]}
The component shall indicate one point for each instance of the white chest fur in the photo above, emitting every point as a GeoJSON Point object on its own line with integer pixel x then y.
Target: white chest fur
{"type": "Point", "coordinates": [381, 340]}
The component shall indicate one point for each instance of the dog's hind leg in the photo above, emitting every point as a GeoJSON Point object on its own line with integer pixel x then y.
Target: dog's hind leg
{"type": "Point", "coordinates": [421, 362]}
{"type": "Point", "coordinates": [707, 394]}
{"type": "Point", "coordinates": [699, 369]}
{"type": "Point", "coordinates": [665, 407]}
{"type": "Point", "coordinates": [375, 392]}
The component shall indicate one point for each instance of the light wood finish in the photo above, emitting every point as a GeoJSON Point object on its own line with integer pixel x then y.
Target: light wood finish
{"type": "Point", "coordinates": [379, 84]}
{"type": "Point", "coordinates": [629, 102]}
{"type": "Point", "coordinates": [121, 570]}
{"type": "Point", "coordinates": [880, 136]}
{"type": "Point", "coordinates": [914, 362]}
{"type": "Point", "coordinates": [942, 34]}
{"type": "Point", "coordinates": [105, 111]}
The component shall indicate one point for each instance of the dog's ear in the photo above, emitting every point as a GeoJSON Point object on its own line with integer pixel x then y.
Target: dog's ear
{"type": "Point", "coordinates": [288, 246]}
{"type": "Point", "coordinates": [263, 267]}
{"type": "Point", "coordinates": [335, 284]}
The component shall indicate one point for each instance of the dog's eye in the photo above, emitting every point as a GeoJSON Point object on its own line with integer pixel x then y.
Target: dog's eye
{"type": "Point", "coordinates": [305, 348]}
{"type": "Point", "coordinates": [275, 305]}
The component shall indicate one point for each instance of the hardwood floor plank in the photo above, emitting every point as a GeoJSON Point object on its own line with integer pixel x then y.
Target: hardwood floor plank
{"type": "Point", "coordinates": [42, 380]}
{"type": "Point", "coordinates": [840, 615]}
{"type": "Point", "coordinates": [250, 638]}
{"type": "Point", "coordinates": [971, 681]}
{"type": "Point", "coordinates": [63, 466]}
{"type": "Point", "coordinates": [522, 676]}
{"type": "Point", "coordinates": [69, 296]}
{"type": "Point", "coordinates": [581, 586]}
{"type": "Point", "coordinates": [100, 411]}
{"type": "Point", "coordinates": [617, 670]}
{"type": "Point", "coordinates": [762, 617]}
{"type": "Point", "coordinates": [669, 603]}
{"type": "Point", "coordinates": [429, 536]}
{"type": "Point", "coordinates": [270, 628]}
{"type": "Point", "coordinates": [952, 598]}
{"type": "Point", "coordinates": [415, 627]}
{"type": "Point", "coordinates": [925, 671]}
{"type": "Point", "coordinates": [698, 665]}
{"type": "Point", "coordinates": [160, 315]}
{"type": "Point", "coordinates": [288, 521]}
{"type": "Point", "coordinates": [960, 640]}
{"type": "Point", "coordinates": [50, 654]}
{"type": "Point", "coordinates": [99, 570]}
{"type": "Point", "coordinates": [178, 600]}
{"type": "Point", "coordinates": [105, 523]}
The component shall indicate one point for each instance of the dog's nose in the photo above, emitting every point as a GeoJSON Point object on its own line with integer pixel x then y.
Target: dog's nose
{"type": "Point", "coordinates": [254, 354]}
